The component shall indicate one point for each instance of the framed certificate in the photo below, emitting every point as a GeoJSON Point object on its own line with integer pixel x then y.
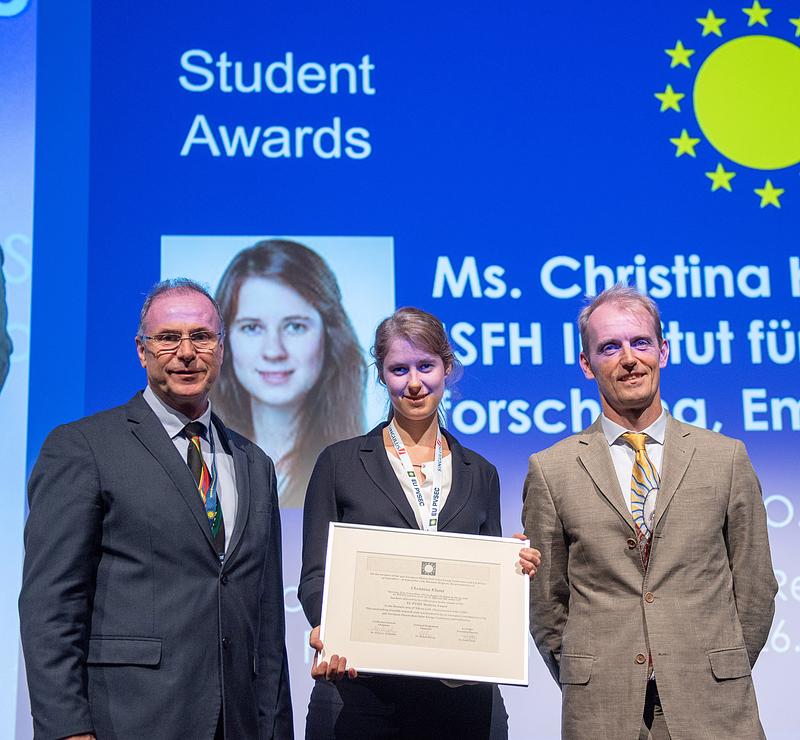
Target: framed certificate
{"type": "Point", "coordinates": [434, 604]}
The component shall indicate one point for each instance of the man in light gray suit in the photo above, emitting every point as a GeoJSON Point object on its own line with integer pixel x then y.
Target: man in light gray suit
{"type": "Point", "coordinates": [655, 593]}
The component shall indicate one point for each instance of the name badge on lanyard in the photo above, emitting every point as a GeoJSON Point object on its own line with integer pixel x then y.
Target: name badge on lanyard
{"type": "Point", "coordinates": [429, 516]}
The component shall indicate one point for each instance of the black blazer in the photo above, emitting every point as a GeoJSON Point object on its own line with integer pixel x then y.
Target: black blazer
{"type": "Point", "coordinates": [130, 628]}
{"type": "Point", "coordinates": [353, 481]}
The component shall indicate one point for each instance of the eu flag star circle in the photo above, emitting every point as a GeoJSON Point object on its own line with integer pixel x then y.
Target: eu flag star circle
{"type": "Point", "coordinates": [744, 100]}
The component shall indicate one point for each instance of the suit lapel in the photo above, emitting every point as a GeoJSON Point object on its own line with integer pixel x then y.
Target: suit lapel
{"type": "Point", "coordinates": [241, 467]}
{"type": "Point", "coordinates": [376, 463]}
{"type": "Point", "coordinates": [149, 431]}
{"type": "Point", "coordinates": [461, 484]}
{"type": "Point", "coordinates": [596, 459]}
{"type": "Point", "coordinates": [678, 452]}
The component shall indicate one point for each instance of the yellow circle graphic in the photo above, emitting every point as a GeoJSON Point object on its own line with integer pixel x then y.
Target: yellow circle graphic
{"type": "Point", "coordinates": [747, 101]}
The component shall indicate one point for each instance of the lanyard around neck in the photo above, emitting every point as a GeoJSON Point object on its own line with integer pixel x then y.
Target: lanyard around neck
{"type": "Point", "coordinates": [429, 516]}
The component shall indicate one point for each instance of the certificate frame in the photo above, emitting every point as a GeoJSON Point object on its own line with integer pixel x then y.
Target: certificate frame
{"type": "Point", "coordinates": [429, 604]}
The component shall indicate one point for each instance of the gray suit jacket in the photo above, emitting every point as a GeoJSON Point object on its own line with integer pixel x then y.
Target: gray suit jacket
{"type": "Point", "coordinates": [703, 610]}
{"type": "Point", "coordinates": [130, 627]}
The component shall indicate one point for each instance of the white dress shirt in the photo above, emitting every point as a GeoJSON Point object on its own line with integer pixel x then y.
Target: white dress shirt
{"type": "Point", "coordinates": [623, 455]}
{"type": "Point", "coordinates": [427, 486]}
{"type": "Point", "coordinates": [174, 422]}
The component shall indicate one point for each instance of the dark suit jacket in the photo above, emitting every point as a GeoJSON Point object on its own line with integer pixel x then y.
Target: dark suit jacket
{"type": "Point", "coordinates": [353, 481]}
{"type": "Point", "coordinates": [130, 628]}
{"type": "Point", "coordinates": [5, 340]}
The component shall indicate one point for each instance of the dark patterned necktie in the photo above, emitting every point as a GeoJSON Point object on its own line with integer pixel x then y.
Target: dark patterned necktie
{"type": "Point", "coordinates": [194, 431]}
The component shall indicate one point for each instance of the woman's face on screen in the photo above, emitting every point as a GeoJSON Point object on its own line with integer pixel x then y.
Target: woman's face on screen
{"type": "Point", "coordinates": [278, 342]}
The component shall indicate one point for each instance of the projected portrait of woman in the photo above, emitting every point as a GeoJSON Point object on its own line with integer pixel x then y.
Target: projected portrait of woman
{"type": "Point", "coordinates": [293, 376]}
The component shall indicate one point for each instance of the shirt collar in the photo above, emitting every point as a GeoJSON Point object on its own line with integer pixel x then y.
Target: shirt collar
{"type": "Point", "coordinates": [171, 419]}
{"type": "Point", "coordinates": [656, 431]}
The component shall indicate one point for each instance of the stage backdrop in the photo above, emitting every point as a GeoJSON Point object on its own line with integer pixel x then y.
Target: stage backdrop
{"type": "Point", "coordinates": [491, 163]}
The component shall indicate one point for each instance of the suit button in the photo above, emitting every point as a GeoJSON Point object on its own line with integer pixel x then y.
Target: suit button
{"type": "Point", "coordinates": [226, 643]}
{"type": "Point", "coordinates": [631, 543]}
{"type": "Point", "coordinates": [640, 659]}
{"type": "Point", "coordinates": [649, 598]}
{"type": "Point", "coordinates": [224, 580]}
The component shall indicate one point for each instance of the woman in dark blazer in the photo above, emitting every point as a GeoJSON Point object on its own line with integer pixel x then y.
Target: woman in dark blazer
{"type": "Point", "coordinates": [359, 481]}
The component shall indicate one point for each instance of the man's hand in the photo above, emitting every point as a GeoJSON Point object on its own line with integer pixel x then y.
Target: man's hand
{"type": "Point", "coordinates": [529, 558]}
{"type": "Point", "coordinates": [333, 670]}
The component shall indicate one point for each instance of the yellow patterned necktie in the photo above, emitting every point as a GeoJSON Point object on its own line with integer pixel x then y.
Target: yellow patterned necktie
{"type": "Point", "coordinates": [645, 483]}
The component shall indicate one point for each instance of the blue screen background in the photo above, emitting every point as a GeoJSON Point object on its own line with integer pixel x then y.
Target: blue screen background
{"type": "Point", "coordinates": [503, 140]}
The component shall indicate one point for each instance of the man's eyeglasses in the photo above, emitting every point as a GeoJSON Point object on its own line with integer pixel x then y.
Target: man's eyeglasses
{"type": "Point", "coordinates": [203, 341]}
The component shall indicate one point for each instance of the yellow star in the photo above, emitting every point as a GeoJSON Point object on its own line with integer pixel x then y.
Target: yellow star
{"type": "Point", "coordinates": [685, 144]}
{"type": "Point", "coordinates": [711, 24]}
{"type": "Point", "coordinates": [679, 55]}
{"type": "Point", "coordinates": [756, 14]}
{"type": "Point", "coordinates": [720, 178]}
{"type": "Point", "coordinates": [669, 99]}
{"type": "Point", "coordinates": [796, 23]}
{"type": "Point", "coordinates": [769, 194]}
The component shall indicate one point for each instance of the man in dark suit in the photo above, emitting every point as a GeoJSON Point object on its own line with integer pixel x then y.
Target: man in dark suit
{"type": "Point", "coordinates": [5, 340]}
{"type": "Point", "coordinates": [152, 597]}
